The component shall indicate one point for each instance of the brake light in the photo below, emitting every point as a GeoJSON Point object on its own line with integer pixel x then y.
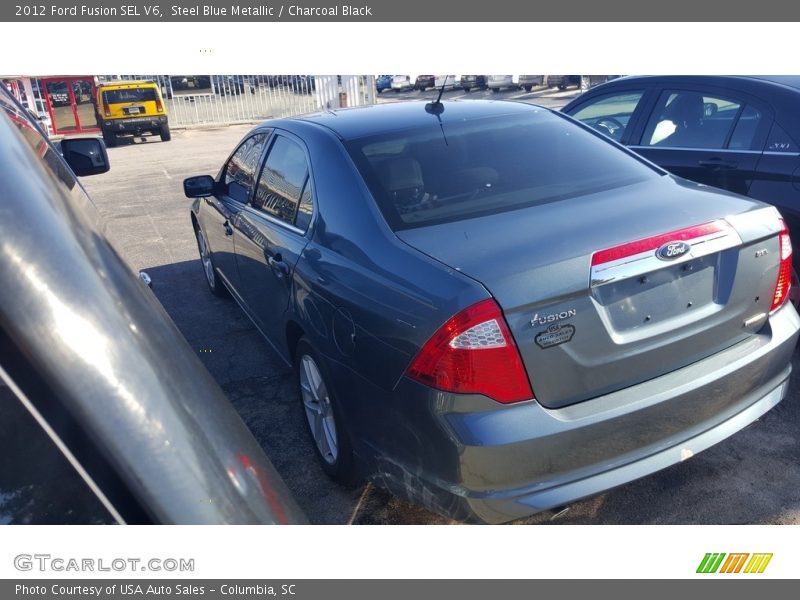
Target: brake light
{"type": "Point", "coordinates": [651, 243]}
{"type": "Point", "coordinates": [474, 353]}
{"type": "Point", "coordinates": [106, 107]}
{"type": "Point", "coordinates": [159, 106]}
{"type": "Point", "coordinates": [784, 282]}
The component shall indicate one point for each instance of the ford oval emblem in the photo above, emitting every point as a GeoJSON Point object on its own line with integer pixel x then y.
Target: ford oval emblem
{"type": "Point", "coordinates": [672, 250]}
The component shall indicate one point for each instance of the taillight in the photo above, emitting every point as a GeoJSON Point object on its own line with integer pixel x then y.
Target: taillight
{"type": "Point", "coordinates": [106, 107]}
{"type": "Point", "coordinates": [159, 106]}
{"type": "Point", "coordinates": [784, 282]}
{"type": "Point", "coordinates": [474, 353]}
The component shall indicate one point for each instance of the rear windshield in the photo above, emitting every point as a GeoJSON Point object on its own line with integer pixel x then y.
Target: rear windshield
{"type": "Point", "coordinates": [130, 95]}
{"type": "Point", "coordinates": [460, 170]}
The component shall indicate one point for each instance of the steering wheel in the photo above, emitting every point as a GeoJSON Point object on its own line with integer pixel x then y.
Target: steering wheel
{"type": "Point", "coordinates": [610, 127]}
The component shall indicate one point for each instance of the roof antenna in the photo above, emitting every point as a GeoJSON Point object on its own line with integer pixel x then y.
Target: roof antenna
{"type": "Point", "coordinates": [437, 108]}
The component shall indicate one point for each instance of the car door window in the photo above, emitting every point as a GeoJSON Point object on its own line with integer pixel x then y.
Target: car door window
{"type": "Point", "coordinates": [689, 119]}
{"type": "Point", "coordinates": [609, 114]}
{"type": "Point", "coordinates": [745, 130]}
{"type": "Point", "coordinates": [282, 181]}
{"type": "Point", "coordinates": [240, 172]}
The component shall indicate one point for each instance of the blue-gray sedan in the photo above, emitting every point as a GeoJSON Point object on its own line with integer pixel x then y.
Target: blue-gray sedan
{"type": "Point", "coordinates": [492, 309]}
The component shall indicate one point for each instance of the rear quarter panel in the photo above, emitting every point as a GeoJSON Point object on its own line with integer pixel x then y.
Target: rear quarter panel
{"type": "Point", "coordinates": [367, 300]}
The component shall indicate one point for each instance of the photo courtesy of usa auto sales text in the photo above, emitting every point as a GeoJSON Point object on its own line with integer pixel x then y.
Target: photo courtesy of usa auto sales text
{"type": "Point", "coordinates": [135, 589]}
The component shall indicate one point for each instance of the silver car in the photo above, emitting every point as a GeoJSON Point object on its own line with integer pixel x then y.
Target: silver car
{"type": "Point", "coordinates": [402, 83]}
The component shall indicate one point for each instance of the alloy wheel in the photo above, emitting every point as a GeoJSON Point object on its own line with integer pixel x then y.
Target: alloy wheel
{"type": "Point", "coordinates": [205, 258]}
{"type": "Point", "coordinates": [319, 411]}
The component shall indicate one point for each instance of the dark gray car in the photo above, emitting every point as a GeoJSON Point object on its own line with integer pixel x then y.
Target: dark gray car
{"type": "Point", "coordinates": [492, 309]}
{"type": "Point", "coordinates": [106, 414]}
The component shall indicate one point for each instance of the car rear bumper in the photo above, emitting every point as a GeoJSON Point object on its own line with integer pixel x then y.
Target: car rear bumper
{"type": "Point", "coordinates": [495, 463]}
{"type": "Point", "coordinates": [135, 124]}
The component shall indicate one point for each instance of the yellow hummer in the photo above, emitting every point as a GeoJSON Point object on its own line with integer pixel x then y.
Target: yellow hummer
{"type": "Point", "coordinates": [131, 108]}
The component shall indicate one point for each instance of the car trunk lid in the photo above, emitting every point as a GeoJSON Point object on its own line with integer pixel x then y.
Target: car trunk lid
{"type": "Point", "coordinates": [591, 306]}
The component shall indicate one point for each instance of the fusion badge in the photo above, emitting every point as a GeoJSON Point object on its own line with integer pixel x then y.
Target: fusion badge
{"type": "Point", "coordinates": [552, 318]}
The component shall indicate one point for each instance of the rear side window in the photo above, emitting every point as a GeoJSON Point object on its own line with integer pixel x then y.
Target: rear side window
{"type": "Point", "coordinates": [282, 180]}
{"type": "Point", "coordinates": [459, 170]}
{"type": "Point", "coordinates": [240, 172]}
{"type": "Point", "coordinates": [687, 119]}
{"type": "Point", "coordinates": [745, 131]}
{"type": "Point", "coordinates": [306, 207]}
{"type": "Point", "coordinates": [609, 114]}
{"type": "Point", "coordinates": [147, 94]}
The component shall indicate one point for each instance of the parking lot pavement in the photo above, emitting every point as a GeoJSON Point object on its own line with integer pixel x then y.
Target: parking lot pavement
{"type": "Point", "coordinates": [753, 477]}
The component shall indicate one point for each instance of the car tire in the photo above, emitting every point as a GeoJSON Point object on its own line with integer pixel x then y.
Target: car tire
{"type": "Point", "coordinates": [495, 90]}
{"type": "Point", "coordinates": [527, 88]}
{"type": "Point", "coordinates": [466, 90]}
{"type": "Point", "coordinates": [165, 133]}
{"type": "Point", "coordinates": [562, 87]}
{"type": "Point", "coordinates": [110, 139]}
{"type": "Point", "coordinates": [323, 416]}
{"type": "Point", "coordinates": [209, 270]}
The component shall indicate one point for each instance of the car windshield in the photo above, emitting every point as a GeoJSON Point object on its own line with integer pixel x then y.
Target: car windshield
{"type": "Point", "coordinates": [130, 95]}
{"type": "Point", "coordinates": [473, 168]}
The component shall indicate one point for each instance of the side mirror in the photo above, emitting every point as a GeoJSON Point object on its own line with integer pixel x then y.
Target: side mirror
{"type": "Point", "coordinates": [86, 156]}
{"type": "Point", "coordinates": [709, 109]}
{"type": "Point", "coordinates": [199, 186]}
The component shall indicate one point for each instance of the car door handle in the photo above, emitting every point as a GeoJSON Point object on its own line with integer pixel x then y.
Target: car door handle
{"type": "Point", "coordinates": [228, 229]}
{"type": "Point", "coordinates": [280, 268]}
{"type": "Point", "coordinates": [717, 164]}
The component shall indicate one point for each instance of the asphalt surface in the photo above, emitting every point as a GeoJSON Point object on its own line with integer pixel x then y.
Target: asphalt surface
{"type": "Point", "coordinates": [753, 477]}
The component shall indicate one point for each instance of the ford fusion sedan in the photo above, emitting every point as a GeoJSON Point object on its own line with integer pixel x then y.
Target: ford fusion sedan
{"type": "Point", "coordinates": [492, 309]}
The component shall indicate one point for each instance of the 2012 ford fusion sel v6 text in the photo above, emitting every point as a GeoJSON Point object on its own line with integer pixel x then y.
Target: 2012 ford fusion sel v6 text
{"type": "Point", "coordinates": [492, 309]}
